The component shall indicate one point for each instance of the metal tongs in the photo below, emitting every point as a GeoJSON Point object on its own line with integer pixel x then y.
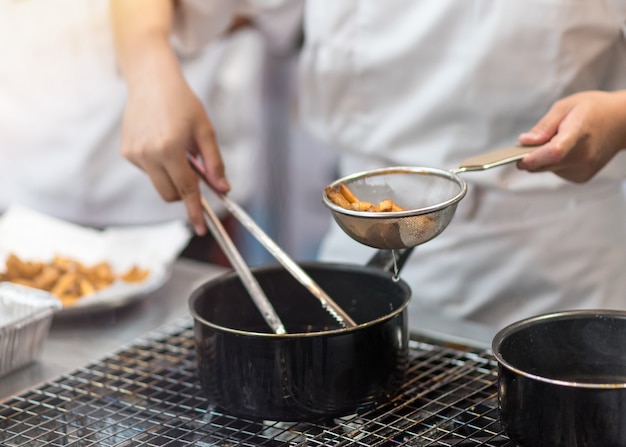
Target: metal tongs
{"type": "Point", "coordinates": [253, 287]}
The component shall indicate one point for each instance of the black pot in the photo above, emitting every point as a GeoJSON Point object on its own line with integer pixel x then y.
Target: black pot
{"type": "Point", "coordinates": [562, 379]}
{"type": "Point", "coordinates": [318, 369]}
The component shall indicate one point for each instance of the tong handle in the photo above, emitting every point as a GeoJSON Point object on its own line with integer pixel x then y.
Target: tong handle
{"type": "Point", "coordinates": [247, 278]}
{"type": "Point", "coordinates": [283, 258]}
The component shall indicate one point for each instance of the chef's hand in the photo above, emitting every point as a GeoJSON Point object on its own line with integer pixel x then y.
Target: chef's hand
{"type": "Point", "coordinates": [578, 136]}
{"type": "Point", "coordinates": [163, 120]}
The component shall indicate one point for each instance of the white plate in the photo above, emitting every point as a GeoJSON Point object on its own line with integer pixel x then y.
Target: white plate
{"type": "Point", "coordinates": [33, 236]}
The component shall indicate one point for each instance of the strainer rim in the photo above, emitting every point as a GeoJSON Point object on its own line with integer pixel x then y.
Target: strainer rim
{"type": "Point", "coordinates": [398, 170]}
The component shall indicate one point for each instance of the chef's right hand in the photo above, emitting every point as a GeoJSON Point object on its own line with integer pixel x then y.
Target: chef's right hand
{"type": "Point", "coordinates": [578, 136]}
{"type": "Point", "coordinates": [163, 120]}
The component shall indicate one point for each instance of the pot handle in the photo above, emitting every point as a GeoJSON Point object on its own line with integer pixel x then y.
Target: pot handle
{"type": "Point", "coordinates": [384, 259]}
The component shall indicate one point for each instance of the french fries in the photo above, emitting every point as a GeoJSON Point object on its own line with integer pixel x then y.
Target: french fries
{"type": "Point", "coordinates": [343, 197]}
{"type": "Point", "coordinates": [336, 197]}
{"type": "Point", "coordinates": [66, 278]}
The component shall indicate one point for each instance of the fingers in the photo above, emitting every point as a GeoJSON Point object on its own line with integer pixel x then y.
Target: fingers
{"type": "Point", "coordinates": [206, 145]}
{"type": "Point", "coordinates": [546, 128]}
{"type": "Point", "coordinates": [550, 155]}
{"type": "Point", "coordinates": [569, 155]}
{"type": "Point", "coordinates": [172, 178]}
{"type": "Point", "coordinates": [206, 142]}
{"type": "Point", "coordinates": [166, 166]}
{"type": "Point", "coordinates": [191, 200]}
{"type": "Point", "coordinates": [160, 149]}
{"type": "Point", "coordinates": [561, 138]}
{"type": "Point", "coordinates": [186, 185]}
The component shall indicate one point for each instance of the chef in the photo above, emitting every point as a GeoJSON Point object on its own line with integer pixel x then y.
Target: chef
{"type": "Point", "coordinates": [62, 100]}
{"type": "Point", "coordinates": [424, 83]}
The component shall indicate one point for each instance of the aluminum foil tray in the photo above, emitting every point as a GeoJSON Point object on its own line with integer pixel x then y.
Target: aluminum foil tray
{"type": "Point", "coordinates": [25, 317]}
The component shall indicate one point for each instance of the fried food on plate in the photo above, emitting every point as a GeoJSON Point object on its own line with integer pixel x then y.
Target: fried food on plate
{"type": "Point", "coordinates": [135, 274]}
{"type": "Point", "coordinates": [66, 278]}
{"type": "Point", "coordinates": [342, 196]}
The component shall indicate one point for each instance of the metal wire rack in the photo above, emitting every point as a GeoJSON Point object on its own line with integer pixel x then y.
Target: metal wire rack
{"type": "Point", "coordinates": [147, 395]}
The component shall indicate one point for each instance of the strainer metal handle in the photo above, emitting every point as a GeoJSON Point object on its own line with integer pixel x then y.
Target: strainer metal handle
{"type": "Point", "coordinates": [494, 158]}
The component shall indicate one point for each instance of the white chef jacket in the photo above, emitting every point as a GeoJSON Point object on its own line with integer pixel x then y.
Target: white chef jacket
{"type": "Point", "coordinates": [62, 100]}
{"type": "Point", "coordinates": [430, 83]}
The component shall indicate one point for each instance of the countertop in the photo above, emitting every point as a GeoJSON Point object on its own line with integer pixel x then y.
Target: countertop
{"type": "Point", "coordinates": [78, 339]}
{"type": "Point", "coordinates": [75, 341]}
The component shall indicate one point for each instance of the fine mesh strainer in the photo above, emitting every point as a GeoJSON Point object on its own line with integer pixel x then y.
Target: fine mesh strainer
{"type": "Point", "coordinates": [429, 197]}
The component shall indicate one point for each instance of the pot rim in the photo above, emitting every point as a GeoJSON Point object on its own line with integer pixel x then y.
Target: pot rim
{"type": "Point", "coordinates": [512, 328]}
{"type": "Point", "coordinates": [290, 335]}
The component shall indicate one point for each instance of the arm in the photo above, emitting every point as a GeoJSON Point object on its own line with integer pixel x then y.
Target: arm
{"type": "Point", "coordinates": [579, 135]}
{"type": "Point", "coordinates": [163, 119]}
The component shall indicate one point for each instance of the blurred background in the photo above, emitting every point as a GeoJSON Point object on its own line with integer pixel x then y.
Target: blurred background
{"type": "Point", "coordinates": [62, 102]}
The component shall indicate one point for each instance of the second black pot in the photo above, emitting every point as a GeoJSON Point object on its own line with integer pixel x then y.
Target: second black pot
{"type": "Point", "coordinates": [562, 379]}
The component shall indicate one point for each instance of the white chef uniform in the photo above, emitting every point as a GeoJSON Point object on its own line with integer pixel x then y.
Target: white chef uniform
{"type": "Point", "coordinates": [62, 100]}
{"type": "Point", "coordinates": [429, 83]}
{"type": "Point", "coordinates": [420, 82]}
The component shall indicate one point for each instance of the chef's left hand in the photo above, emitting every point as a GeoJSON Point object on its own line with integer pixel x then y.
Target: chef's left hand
{"type": "Point", "coordinates": [578, 136]}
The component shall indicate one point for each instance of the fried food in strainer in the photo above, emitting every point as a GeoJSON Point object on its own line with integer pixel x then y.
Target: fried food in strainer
{"type": "Point", "coordinates": [424, 201]}
{"type": "Point", "coordinates": [429, 195]}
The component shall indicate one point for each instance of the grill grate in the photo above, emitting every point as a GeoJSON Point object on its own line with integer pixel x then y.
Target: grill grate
{"type": "Point", "coordinates": [147, 395]}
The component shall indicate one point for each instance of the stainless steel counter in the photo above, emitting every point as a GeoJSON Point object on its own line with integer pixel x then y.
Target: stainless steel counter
{"type": "Point", "coordinates": [74, 342]}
